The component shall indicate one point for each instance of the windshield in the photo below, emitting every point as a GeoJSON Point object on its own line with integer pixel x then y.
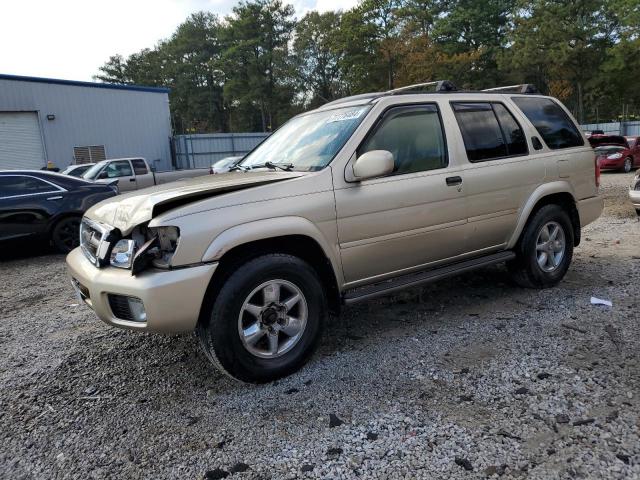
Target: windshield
{"type": "Point", "coordinates": [93, 172]}
{"type": "Point", "coordinates": [308, 142]}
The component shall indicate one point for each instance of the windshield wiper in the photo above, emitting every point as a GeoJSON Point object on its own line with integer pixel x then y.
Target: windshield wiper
{"type": "Point", "coordinates": [287, 167]}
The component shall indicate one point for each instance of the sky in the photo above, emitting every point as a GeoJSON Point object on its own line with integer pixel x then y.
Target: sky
{"type": "Point", "coordinates": [71, 39]}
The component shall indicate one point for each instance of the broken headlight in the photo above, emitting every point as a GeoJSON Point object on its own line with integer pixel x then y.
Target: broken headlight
{"type": "Point", "coordinates": [157, 247]}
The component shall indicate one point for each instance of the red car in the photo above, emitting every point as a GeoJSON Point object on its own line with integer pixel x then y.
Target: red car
{"type": "Point", "coordinates": [615, 152]}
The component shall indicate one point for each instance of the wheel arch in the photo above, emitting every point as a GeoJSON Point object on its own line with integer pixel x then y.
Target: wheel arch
{"type": "Point", "coordinates": [558, 193]}
{"type": "Point", "coordinates": [244, 242]}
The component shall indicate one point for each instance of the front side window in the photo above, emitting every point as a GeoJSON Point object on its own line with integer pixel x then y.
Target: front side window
{"type": "Point", "coordinates": [489, 131]}
{"type": "Point", "coordinates": [117, 169]}
{"type": "Point", "coordinates": [13, 185]}
{"type": "Point", "coordinates": [551, 121]}
{"type": "Point", "coordinates": [413, 135]}
{"type": "Point", "coordinates": [307, 142]}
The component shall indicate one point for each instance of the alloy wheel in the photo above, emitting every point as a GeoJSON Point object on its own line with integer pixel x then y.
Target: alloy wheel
{"type": "Point", "coordinates": [272, 319]}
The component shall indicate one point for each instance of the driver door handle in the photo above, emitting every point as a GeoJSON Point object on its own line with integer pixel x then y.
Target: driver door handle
{"type": "Point", "coordinates": [57, 197]}
{"type": "Point", "coordinates": [132, 179]}
{"type": "Point", "coordinates": [453, 181]}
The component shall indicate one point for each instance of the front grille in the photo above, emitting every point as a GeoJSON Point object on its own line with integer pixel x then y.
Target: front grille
{"type": "Point", "coordinates": [120, 307]}
{"type": "Point", "coordinates": [94, 241]}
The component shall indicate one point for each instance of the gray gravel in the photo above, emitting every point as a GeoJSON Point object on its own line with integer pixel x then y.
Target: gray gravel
{"type": "Point", "coordinates": [468, 378]}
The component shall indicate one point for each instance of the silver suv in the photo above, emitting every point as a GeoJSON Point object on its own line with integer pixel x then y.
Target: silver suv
{"type": "Point", "coordinates": [359, 198]}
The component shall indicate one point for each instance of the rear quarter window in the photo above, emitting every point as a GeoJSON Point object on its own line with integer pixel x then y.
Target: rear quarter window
{"type": "Point", "coordinates": [550, 120]}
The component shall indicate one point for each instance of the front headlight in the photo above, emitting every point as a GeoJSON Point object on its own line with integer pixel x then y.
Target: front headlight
{"type": "Point", "coordinates": [122, 253]}
{"type": "Point", "coordinates": [167, 243]}
{"type": "Point", "coordinates": [147, 246]}
{"type": "Point", "coordinates": [614, 156]}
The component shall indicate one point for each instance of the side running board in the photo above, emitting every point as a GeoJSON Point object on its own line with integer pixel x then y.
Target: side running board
{"type": "Point", "coordinates": [415, 279]}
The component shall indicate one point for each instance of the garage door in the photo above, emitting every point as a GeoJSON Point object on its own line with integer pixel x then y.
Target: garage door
{"type": "Point", "coordinates": [20, 141]}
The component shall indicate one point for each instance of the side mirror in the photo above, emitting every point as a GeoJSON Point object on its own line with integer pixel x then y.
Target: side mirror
{"type": "Point", "coordinates": [375, 163]}
{"type": "Point", "coordinates": [103, 174]}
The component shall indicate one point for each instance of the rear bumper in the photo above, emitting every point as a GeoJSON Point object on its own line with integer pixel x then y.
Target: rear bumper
{"type": "Point", "coordinates": [172, 299]}
{"type": "Point", "coordinates": [589, 209]}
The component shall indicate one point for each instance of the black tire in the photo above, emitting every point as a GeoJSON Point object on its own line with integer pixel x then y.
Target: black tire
{"type": "Point", "coordinates": [218, 330]}
{"type": "Point", "coordinates": [525, 269]}
{"type": "Point", "coordinates": [65, 234]}
{"type": "Point", "coordinates": [628, 165]}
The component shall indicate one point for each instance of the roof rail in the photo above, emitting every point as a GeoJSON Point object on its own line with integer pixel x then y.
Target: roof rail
{"type": "Point", "coordinates": [441, 86]}
{"type": "Point", "coordinates": [522, 88]}
{"type": "Point", "coordinates": [362, 96]}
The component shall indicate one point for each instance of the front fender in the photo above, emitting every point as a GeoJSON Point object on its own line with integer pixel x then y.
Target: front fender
{"type": "Point", "coordinates": [542, 191]}
{"type": "Point", "coordinates": [270, 228]}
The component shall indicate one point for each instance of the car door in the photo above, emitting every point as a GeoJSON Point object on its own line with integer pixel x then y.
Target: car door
{"type": "Point", "coordinates": [411, 218]}
{"type": "Point", "coordinates": [500, 174]}
{"type": "Point", "coordinates": [144, 178]}
{"type": "Point", "coordinates": [122, 171]}
{"type": "Point", "coordinates": [26, 205]}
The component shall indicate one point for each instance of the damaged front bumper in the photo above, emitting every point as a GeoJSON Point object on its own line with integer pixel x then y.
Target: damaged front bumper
{"type": "Point", "coordinates": [170, 299]}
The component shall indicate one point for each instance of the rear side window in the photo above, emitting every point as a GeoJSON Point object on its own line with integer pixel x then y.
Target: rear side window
{"type": "Point", "coordinates": [139, 167]}
{"type": "Point", "coordinates": [13, 185]}
{"type": "Point", "coordinates": [552, 123]}
{"type": "Point", "coordinates": [489, 131]}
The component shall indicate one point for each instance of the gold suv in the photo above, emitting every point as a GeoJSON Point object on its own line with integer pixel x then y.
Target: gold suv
{"type": "Point", "coordinates": [359, 198]}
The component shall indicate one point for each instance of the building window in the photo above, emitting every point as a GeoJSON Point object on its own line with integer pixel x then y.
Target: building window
{"type": "Point", "coordinates": [89, 154]}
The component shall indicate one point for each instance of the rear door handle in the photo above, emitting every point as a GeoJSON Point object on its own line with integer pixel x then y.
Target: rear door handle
{"type": "Point", "coordinates": [453, 181]}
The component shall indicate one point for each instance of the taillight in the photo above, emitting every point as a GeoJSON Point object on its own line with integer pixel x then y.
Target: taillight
{"type": "Point", "coordinates": [597, 172]}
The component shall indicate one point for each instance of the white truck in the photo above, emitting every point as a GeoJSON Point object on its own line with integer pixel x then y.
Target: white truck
{"type": "Point", "coordinates": [135, 173]}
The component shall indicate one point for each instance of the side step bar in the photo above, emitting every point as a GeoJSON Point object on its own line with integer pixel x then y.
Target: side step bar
{"type": "Point", "coordinates": [414, 279]}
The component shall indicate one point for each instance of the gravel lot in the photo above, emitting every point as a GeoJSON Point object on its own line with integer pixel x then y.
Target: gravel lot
{"type": "Point", "coordinates": [467, 378]}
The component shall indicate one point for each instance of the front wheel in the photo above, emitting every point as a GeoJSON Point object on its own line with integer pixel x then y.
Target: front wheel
{"type": "Point", "coordinates": [545, 249]}
{"type": "Point", "coordinates": [266, 319]}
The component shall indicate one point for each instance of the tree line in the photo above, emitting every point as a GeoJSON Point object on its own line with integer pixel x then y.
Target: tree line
{"type": "Point", "coordinates": [258, 66]}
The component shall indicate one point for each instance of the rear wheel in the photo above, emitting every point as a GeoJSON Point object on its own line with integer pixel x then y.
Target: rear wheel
{"type": "Point", "coordinates": [66, 234]}
{"type": "Point", "coordinates": [545, 249]}
{"type": "Point", "coordinates": [266, 319]}
{"type": "Point", "coordinates": [628, 164]}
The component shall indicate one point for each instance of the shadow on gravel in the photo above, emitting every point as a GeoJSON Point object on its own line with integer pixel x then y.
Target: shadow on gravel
{"type": "Point", "coordinates": [21, 249]}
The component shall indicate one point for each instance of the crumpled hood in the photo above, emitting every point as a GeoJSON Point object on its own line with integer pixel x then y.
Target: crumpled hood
{"type": "Point", "coordinates": [131, 209]}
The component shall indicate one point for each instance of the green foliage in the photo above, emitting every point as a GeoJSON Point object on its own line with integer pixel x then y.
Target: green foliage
{"type": "Point", "coordinates": [258, 66]}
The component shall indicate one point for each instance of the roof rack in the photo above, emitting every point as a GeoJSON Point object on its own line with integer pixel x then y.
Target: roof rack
{"type": "Point", "coordinates": [522, 88]}
{"type": "Point", "coordinates": [441, 86]}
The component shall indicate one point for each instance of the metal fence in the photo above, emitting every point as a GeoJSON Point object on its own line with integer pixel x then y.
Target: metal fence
{"type": "Point", "coordinates": [614, 128]}
{"type": "Point", "coordinates": [202, 150]}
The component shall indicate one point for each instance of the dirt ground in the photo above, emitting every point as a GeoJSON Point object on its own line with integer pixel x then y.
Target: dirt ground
{"type": "Point", "coordinates": [468, 378]}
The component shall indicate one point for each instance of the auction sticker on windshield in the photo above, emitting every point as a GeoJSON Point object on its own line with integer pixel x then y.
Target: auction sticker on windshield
{"type": "Point", "coordinates": [348, 115]}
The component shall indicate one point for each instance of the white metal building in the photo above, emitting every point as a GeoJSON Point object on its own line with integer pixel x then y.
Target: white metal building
{"type": "Point", "coordinates": [63, 121]}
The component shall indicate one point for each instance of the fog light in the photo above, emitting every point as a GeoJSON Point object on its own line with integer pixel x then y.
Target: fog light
{"type": "Point", "coordinates": [122, 253]}
{"type": "Point", "coordinates": [137, 309]}
{"type": "Point", "coordinates": [127, 308]}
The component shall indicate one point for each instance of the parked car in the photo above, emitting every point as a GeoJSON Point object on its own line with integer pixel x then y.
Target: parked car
{"type": "Point", "coordinates": [46, 205]}
{"type": "Point", "coordinates": [77, 170]}
{"type": "Point", "coordinates": [615, 152]}
{"type": "Point", "coordinates": [634, 193]}
{"type": "Point", "coordinates": [359, 198]}
{"type": "Point", "coordinates": [135, 173]}
{"type": "Point", "coordinates": [224, 165]}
